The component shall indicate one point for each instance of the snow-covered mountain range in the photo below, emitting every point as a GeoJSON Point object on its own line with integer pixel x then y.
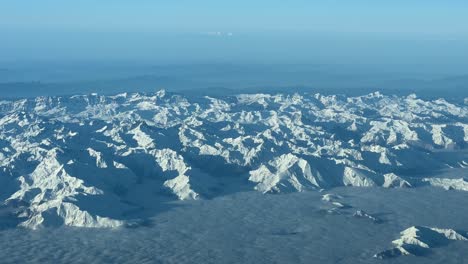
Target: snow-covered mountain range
{"type": "Point", "coordinates": [108, 161]}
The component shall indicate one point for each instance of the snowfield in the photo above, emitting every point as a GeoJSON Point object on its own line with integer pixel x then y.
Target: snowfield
{"type": "Point", "coordinates": [117, 161]}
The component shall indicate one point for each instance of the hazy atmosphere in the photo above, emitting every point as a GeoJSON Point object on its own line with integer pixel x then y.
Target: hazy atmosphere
{"type": "Point", "coordinates": [317, 32]}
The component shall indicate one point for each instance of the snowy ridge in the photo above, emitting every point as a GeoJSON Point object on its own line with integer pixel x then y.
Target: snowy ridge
{"type": "Point", "coordinates": [448, 184]}
{"type": "Point", "coordinates": [418, 239]}
{"type": "Point", "coordinates": [363, 214]}
{"type": "Point", "coordinates": [101, 161]}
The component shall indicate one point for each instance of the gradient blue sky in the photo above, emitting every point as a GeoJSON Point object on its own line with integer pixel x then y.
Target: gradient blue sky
{"type": "Point", "coordinates": [177, 30]}
{"type": "Point", "coordinates": [414, 16]}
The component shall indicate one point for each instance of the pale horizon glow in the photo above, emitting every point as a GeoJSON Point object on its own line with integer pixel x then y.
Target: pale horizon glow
{"type": "Point", "coordinates": [182, 31]}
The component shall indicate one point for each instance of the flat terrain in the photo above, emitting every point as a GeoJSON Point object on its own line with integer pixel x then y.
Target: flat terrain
{"type": "Point", "coordinates": [255, 228]}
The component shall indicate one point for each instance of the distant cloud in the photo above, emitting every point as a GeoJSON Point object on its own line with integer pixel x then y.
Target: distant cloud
{"type": "Point", "coordinates": [217, 34]}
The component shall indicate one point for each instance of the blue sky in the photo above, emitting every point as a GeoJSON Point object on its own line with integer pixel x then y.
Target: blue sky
{"type": "Point", "coordinates": [414, 16]}
{"type": "Point", "coordinates": [299, 30]}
